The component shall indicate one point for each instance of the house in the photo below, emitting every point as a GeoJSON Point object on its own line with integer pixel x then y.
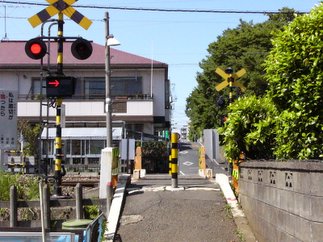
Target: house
{"type": "Point", "coordinates": [139, 92]}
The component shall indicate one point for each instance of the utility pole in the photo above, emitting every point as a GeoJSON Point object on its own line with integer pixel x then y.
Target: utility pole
{"type": "Point", "coordinates": [107, 83]}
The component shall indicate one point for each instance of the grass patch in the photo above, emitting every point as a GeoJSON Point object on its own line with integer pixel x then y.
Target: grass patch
{"type": "Point", "coordinates": [27, 186]}
{"type": "Point", "coordinates": [240, 236]}
{"type": "Point", "coordinates": [91, 211]}
{"type": "Point", "coordinates": [227, 210]}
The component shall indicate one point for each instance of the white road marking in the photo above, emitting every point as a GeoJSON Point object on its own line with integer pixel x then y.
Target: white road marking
{"type": "Point", "coordinates": [182, 173]}
{"type": "Point", "coordinates": [202, 189]}
{"type": "Point", "coordinates": [188, 163]}
{"type": "Point", "coordinates": [216, 162]}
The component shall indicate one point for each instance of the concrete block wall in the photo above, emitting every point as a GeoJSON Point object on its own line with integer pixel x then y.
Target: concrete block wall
{"type": "Point", "coordinates": [283, 201]}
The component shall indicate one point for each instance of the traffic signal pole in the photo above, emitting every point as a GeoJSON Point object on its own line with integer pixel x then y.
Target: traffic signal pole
{"type": "Point", "coordinates": [59, 86]}
{"type": "Point", "coordinates": [58, 138]}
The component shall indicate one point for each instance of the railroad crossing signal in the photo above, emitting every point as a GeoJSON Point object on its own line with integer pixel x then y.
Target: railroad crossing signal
{"type": "Point", "coordinates": [81, 49]}
{"type": "Point", "coordinates": [57, 6]}
{"type": "Point", "coordinates": [230, 78]}
{"type": "Point", "coordinates": [60, 86]}
{"type": "Point", "coordinates": [36, 48]}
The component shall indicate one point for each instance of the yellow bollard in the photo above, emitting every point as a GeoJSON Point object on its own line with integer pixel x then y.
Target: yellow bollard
{"type": "Point", "coordinates": [174, 161]}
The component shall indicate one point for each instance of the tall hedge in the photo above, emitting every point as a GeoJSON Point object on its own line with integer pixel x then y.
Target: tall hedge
{"type": "Point", "coordinates": [294, 70]}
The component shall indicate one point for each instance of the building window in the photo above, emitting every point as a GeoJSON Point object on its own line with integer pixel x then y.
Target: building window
{"type": "Point", "coordinates": [126, 86]}
{"type": "Point", "coordinates": [167, 95]}
{"type": "Point", "coordinates": [95, 146]}
{"type": "Point", "coordinates": [35, 89]}
{"type": "Point", "coordinates": [94, 88]}
{"type": "Point", "coordinates": [76, 147]}
{"type": "Point", "coordinates": [135, 127]}
{"type": "Point", "coordinates": [67, 146]}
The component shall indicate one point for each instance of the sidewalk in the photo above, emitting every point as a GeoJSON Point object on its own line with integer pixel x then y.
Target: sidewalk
{"type": "Point", "coordinates": [195, 211]}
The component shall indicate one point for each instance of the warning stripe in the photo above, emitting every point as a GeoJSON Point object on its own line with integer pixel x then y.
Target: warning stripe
{"type": "Point", "coordinates": [174, 156]}
{"type": "Point", "coordinates": [69, 2]}
{"type": "Point", "coordinates": [42, 16]}
{"type": "Point", "coordinates": [52, 1]}
{"type": "Point", "coordinates": [77, 17]}
{"type": "Point", "coordinates": [63, 7]}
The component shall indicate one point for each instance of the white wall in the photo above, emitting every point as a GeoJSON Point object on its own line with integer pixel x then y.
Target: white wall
{"type": "Point", "coordinates": [21, 82]}
{"type": "Point", "coordinates": [83, 108]}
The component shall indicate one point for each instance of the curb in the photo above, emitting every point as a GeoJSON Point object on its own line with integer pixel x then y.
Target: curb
{"type": "Point", "coordinates": [115, 209]}
{"type": "Point", "coordinates": [237, 213]}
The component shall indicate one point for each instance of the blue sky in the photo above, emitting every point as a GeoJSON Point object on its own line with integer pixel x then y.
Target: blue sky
{"type": "Point", "coordinates": [178, 39]}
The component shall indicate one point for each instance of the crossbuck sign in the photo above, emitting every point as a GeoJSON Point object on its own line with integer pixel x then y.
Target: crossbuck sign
{"type": "Point", "coordinates": [57, 6]}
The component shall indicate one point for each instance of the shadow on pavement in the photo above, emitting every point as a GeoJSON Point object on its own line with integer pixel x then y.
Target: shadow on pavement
{"type": "Point", "coordinates": [184, 146]}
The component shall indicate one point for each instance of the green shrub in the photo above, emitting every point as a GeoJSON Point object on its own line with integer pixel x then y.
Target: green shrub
{"type": "Point", "coordinates": [250, 127]}
{"type": "Point", "coordinates": [155, 156]}
{"type": "Point", "coordinates": [91, 211]}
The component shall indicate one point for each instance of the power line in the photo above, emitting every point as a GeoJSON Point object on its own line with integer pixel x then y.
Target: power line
{"type": "Point", "coordinates": [161, 9]}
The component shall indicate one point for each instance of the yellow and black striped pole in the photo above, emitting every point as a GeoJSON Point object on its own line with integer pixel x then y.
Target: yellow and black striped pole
{"type": "Point", "coordinates": [58, 139]}
{"type": "Point", "coordinates": [231, 80]}
{"type": "Point", "coordinates": [170, 163]}
{"type": "Point", "coordinates": [60, 41]}
{"type": "Point", "coordinates": [174, 161]}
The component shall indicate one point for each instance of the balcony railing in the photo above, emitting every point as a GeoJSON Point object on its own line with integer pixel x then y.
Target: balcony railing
{"type": "Point", "coordinates": [37, 97]}
{"type": "Point", "coordinates": [138, 105]}
{"type": "Point", "coordinates": [119, 106]}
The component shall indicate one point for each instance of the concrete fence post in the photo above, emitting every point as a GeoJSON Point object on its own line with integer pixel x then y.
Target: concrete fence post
{"type": "Point", "coordinates": [79, 202]}
{"type": "Point", "coordinates": [46, 199]}
{"type": "Point", "coordinates": [13, 207]}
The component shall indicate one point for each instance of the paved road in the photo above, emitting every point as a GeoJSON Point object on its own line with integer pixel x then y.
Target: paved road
{"type": "Point", "coordinates": [195, 212]}
{"type": "Point", "coordinates": [198, 213]}
{"type": "Point", "coordinates": [188, 159]}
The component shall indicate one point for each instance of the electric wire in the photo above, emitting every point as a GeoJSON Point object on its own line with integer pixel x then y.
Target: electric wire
{"type": "Point", "coordinates": [162, 9]}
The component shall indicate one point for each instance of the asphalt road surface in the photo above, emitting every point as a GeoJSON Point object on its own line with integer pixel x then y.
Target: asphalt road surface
{"type": "Point", "coordinates": [188, 160]}
{"type": "Point", "coordinates": [196, 212]}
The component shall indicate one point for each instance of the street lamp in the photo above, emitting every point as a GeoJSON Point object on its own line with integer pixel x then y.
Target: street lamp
{"type": "Point", "coordinates": [110, 41]}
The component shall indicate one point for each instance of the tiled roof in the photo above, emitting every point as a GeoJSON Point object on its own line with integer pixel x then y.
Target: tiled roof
{"type": "Point", "coordinates": [12, 53]}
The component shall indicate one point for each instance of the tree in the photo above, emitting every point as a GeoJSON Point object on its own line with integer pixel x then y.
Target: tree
{"type": "Point", "coordinates": [295, 77]}
{"type": "Point", "coordinates": [245, 46]}
{"type": "Point", "coordinates": [31, 136]}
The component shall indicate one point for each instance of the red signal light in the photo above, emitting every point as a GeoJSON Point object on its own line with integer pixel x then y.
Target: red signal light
{"type": "Point", "coordinates": [36, 48]}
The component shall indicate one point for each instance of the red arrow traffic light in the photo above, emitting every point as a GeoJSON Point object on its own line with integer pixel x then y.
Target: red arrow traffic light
{"type": "Point", "coordinates": [60, 86]}
{"type": "Point", "coordinates": [36, 48]}
{"type": "Point", "coordinates": [54, 83]}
